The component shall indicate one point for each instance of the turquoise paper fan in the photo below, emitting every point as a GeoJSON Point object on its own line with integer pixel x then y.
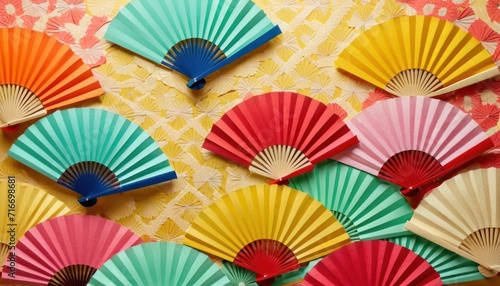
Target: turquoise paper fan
{"type": "Point", "coordinates": [92, 152]}
{"type": "Point", "coordinates": [297, 276]}
{"type": "Point", "coordinates": [237, 275]}
{"type": "Point", "coordinates": [193, 37]}
{"type": "Point", "coordinates": [368, 207]}
{"type": "Point", "coordinates": [159, 263]}
{"type": "Point", "coordinates": [452, 268]}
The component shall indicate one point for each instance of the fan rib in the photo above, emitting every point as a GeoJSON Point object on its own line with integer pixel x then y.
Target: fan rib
{"type": "Point", "coordinates": [18, 104]}
{"type": "Point", "coordinates": [267, 258]}
{"type": "Point", "coordinates": [74, 275]}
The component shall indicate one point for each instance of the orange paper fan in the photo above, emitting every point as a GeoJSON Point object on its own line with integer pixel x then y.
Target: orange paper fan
{"type": "Point", "coordinates": [373, 263]}
{"type": "Point", "coordinates": [267, 229]}
{"type": "Point", "coordinates": [39, 74]}
{"type": "Point", "coordinates": [279, 134]}
{"type": "Point", "coordinates": [67, 250]}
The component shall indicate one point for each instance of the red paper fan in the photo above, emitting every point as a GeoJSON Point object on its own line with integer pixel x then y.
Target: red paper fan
{"type": "Point", "coordinates": [372, 263]}
{"type": "Point", "coordinates": [414, 141]}
{"type": "Point", "coordinates": [279, 134]}
{"type": "Point", "coordinates": [67, 250]}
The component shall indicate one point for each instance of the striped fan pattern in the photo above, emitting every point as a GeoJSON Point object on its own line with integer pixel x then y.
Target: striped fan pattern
{"type": "Point", "coordinates": [431, 57]}
{"type": "Point", "coordinates": [193, 37]}
{"type": "Point", "coordinates": [267, 229]}
{"type": "Point", "coordinates": [374, 263]}
{"type": "Point", "coordinates": [367, 207]}
{"type": "Point", "coordinates": [413, 141]}
{"type": "Point", "coordinates": [67, 250]}
{"type": "Point", "coordinates": [36, 80]}
{"type": "Point", "coordinates": [279, 134]}
{"type": "Point", "coordinates": [462, 216]}
{"type": "Point", "coordinates": [93, 152]}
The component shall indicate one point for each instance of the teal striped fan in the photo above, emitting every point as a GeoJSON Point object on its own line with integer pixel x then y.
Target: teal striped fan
{"type": "Point", "coordinates": [368, 207]}
{"type": "Point", "coordinates": [452, 268]}
{"type": "Point", "coordinates": [295, 277]}
{"type": "Point", "coordinates": [238, 276]}
{"type": "Point", "coordinates": [193, 37]}
{"type": "Point", "coordinates": [159, 263]}
{"type": "Point", "coordinates": [92, 152]}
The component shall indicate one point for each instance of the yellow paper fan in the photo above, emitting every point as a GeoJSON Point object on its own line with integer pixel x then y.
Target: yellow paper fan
{"type": "Point", "coordinates": [417, 55]}
{"type": "Point", "coordinates": [22, 206]}
{"type": "Point", "coordinates": [267, 229]}
{"type": "Point", "coordinates": [463, 216]}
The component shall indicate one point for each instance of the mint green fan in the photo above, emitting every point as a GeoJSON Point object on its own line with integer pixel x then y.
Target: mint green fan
{"type": "Point", "coordinates": [93, 152]}
{"type": "Point", "coordinates": [368, 207]}
{"type": "Point", "coordinates": [293, 277]}
{"type": "Point", "coordinates": [452, 268]}
{"type": "Point", "coordinates": [238, 276]}
{"type": "Point", "coordinates": [193, 37]}
{"type": "Point", "coordinates": [159, 263]}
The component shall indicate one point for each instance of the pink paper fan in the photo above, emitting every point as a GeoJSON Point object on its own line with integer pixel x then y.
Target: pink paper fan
{"type": "Point", "coordinates": [67, 250]}
{"type": "Point", "coordinates": [374, 263]}
{"type": "Point", "coordinates": [413, 141]}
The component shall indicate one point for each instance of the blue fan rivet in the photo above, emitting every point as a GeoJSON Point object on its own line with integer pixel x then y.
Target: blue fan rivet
{"type": "Point", "coordinates": [197, 84]}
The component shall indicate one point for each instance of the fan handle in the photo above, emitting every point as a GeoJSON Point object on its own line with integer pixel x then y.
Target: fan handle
{"type": "Point", "coordinates": [196, 84]}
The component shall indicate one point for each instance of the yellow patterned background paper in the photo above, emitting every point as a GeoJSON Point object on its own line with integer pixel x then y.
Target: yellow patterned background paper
{"type": "Point", "coordinates": [156, 98]}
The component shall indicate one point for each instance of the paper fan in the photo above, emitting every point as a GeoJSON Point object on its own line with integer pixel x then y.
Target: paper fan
{"type": "Point", "coordinates": [238, 276]}
{"type": "Point", "coordinates": [67, 250]}
{"type": "Point", "coordinates": [279, 134]}
{"type": "Point", "coordinates": [193, 37]}
{"type": "Point", "coordinates": [451, 267]}
{"type": "Point", "coordinates": [462, 216]}
{"type": "Point", "coordinates": [23, 206]}
{"type": "Point", "coordinates": [430, 57]}
{"type": "Point", "coordinates": [159, 263]}
{"type": "Point", "coordinates": [413, 141]}
{"type": "Point", "coordinates": [373, 263]}
{"type": "Point", "coordinates": [39, 74]}
{"type": "Point", "coordinates": [295, 277]}
{"type": "Point", "coordinates": [267, 229]}
{"type": "Point", "coordinates": [92, 152]}
{"type": "Point", "coordinates": [367, 207]}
